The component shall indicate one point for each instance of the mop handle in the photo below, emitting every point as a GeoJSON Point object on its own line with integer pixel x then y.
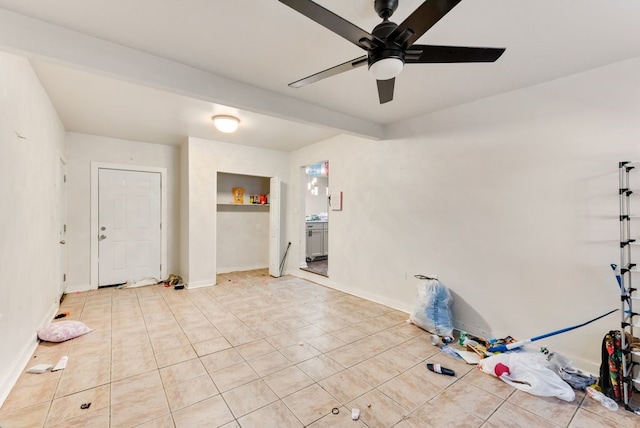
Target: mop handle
{"type": "Point", "coordinates": [510, 346]}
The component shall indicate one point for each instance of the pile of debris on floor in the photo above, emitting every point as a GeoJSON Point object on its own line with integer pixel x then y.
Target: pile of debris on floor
{"type": "Point", "coordinates": [540, 372]}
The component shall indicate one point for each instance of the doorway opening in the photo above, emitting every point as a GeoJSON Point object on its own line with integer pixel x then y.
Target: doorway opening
{"type": "Point", "coordinates": [315, 186]}
{"type": "Point", "coordinates": [248, 224]}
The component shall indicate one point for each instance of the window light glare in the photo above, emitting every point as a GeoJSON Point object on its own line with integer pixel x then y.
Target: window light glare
{"type": "Point", "coordinates": [226, 124]}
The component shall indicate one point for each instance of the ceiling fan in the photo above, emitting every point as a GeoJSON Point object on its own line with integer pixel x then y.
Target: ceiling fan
{"type": "Point", "coordinates": [389, 46]}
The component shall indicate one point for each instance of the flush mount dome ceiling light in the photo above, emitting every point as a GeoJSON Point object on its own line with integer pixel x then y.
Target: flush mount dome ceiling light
{"type": "Point", "coordinates": [226, 124]}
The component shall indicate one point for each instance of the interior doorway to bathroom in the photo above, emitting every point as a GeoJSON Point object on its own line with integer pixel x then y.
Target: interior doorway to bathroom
{"type": "Point", "coordinates": [316, 200]}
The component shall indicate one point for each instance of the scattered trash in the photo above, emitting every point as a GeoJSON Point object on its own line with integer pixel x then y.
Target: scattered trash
{"type": "Point", "coordinates": [300, 343]}
{"type": "Point", "coordinates": [85, 406]}
{"type": "Point", "coordinates": [601, 398]}
{"type": "Point", "coordinates": [527, 372]}
{"type": "Point", "coordinates": [436, 341]}
{"type": "Point", "coordinates": [437, 368]}
{"type": "Point", "coordinates": [61, 315]}
{"type": "Point", "coordinates": [450, 351]}
{"type": "Point", "coordinates": [39, 368]}
{"type": "Point", "coordinates": [173, 280]}
{"type": "Point", "coordinates": [479, 349]}
{"type": "Point", "coordinates": [61, 364]}
{"type": "Point", "coordinates": [433, 308]}
{"type": "Point", "coordinates": [140, 283]}
{"type": "Point", "coordinates": [369, 405]}
{"type": "Point", "coordinates": [355, 414]}
{"type": "Point", "coordinates": [510, 346]}
{"type": "Point", "coordinates": [574, 377]}
{"type": "Point", "coordinates": [469, 357]}
{"type": "Point", "coordinates": [335, 410]}
{"type": "Point", "coordinates": [501, 341]}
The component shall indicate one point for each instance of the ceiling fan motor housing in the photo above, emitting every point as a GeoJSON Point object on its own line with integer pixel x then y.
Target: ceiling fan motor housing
{"type": "Point", "coordinates": [390, 49]}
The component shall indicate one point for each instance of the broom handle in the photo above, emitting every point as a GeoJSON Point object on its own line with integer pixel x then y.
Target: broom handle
{"type": "Point", "coordinates": [510, 346]}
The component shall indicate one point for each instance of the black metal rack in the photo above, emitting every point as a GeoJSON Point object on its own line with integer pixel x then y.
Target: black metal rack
{"type": "Point", "coordinates": [627, 268]}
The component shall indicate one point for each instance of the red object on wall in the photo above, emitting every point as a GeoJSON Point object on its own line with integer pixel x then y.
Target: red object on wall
{"type": "Point", "coordinates": [263, 199]}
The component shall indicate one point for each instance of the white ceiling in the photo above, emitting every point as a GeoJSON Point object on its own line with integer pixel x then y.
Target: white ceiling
{"type": "Point", "coordinates": [238, 56]}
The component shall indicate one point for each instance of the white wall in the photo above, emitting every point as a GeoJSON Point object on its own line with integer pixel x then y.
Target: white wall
{"type": "Point", "coordinates": [82, 149]}
{"type": "Point", "coordinates": [206, 159]}
{"type": "Point", "coordinates": [29, 290]}
{"type": "Point", "coordinates": [511, 201]}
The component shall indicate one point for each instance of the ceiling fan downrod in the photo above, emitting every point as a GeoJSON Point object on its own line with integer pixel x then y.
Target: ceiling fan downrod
{"type": "Point", "coordinates": [385, 8]}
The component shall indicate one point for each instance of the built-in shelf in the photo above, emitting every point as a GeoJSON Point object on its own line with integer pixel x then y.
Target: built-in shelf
{"type": "Point", "coordinates": [231, 204]}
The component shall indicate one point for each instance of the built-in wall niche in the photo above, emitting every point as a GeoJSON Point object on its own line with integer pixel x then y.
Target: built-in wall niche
{"type": "Point", "coordinates": [242, 230]}
{"type": "Point", "coordinates": [252, 185]}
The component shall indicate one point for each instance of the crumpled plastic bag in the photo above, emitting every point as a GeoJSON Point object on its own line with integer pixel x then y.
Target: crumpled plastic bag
{"type": "Point", "coordinates": [433, 308]}
{"type": "Point", "coordinates": [527, 372]}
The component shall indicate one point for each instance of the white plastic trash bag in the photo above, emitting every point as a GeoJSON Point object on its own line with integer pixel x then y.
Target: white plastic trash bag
{"type": "Point", "coordinates": [433, 308]}
{"type": "Point", "coordinates": [527, 372]}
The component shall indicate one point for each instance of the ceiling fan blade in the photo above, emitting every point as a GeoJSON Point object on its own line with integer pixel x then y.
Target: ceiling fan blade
{"type": "Point", "coordinates": [335, 23]}
{"type": "Point", "coordinates": [421, 54]}
{"type": "Point", "coordinates": [346, 66]}
{"type": "Point", "coordinates": [385, 90]}
{"type": "Point", "coordinates": [423, 18]}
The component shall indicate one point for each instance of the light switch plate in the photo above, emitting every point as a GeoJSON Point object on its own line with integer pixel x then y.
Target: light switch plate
{"type": "Point", "coordinates": [336, 201]}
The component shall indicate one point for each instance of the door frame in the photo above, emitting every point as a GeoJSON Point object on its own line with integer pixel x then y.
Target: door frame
{"type": "Point", "coordinates": [95, 169]}
{"type": "Point", "coordinates": [302, 226]}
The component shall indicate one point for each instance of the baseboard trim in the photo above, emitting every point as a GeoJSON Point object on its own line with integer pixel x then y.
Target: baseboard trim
{"type": "Point", "coordinates": [199, 284]}
{"type": "Point", "coordinates": [240, 268]}
{"type": "Point", "coordinates": [323, 280]}
{"type": "Point", "coordinates": [78, 288]}
{"type": "Point", "coordinates": [20, 363]}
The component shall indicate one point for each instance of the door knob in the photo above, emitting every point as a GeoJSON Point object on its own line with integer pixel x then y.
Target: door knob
{"type": "Point", "coordinates": [102, 237]}
{"type": "Point", "coordinates": [63, 242]}
{"type": "Point", "coordinates": [103, 228]}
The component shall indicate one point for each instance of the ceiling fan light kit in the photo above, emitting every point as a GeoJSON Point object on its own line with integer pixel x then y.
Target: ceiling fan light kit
{"type": "Point", "coordinates": [225, 123]}
{"type": "Point", "coordinates": [386, 68]}
{"type": "Point", "coordinates": [390, 46]}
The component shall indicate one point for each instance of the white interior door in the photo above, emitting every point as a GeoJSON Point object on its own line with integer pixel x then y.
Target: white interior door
{"type": "Point", "coordinates": [129, 226]}
{"type": "Point", "coordinates": [275, 194]}
{"type": "Point", "coordinates": [62, 226]}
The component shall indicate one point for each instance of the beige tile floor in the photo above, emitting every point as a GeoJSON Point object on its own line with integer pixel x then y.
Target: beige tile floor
{"type": "Point", "coordinates": [255, 351]}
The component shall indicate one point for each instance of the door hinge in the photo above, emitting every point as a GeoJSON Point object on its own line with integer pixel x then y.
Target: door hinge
{"type": "Point", "coordinates": [64, 228]}
{"type": "Point", "coordinates": [64, 276]}
{"type": "Point", "coordinates": [64, 178]}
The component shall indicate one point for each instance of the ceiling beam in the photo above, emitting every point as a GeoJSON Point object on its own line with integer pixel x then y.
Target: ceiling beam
{"type": "Point", "coordinates": [34, 38]}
